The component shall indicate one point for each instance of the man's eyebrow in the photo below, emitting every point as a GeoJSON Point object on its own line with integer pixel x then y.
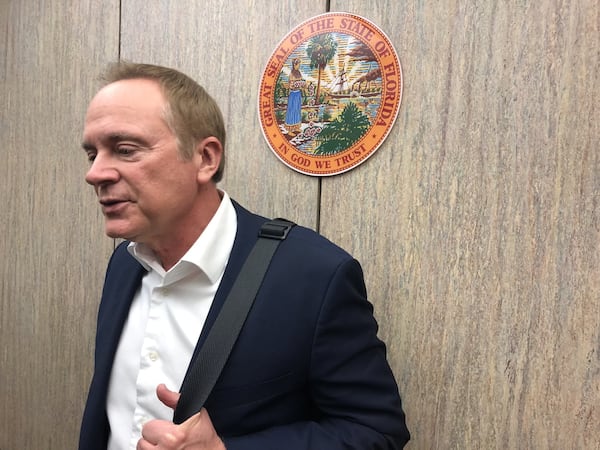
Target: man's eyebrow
{"type": "Point", "coordinates": [87, 147]}
{"type": "Point", "coordinates": [116, 137]}
{"type": "Point", "coordinates": [112, 139]}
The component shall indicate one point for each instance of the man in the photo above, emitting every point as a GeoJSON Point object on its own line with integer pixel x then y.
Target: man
{"type": "Point", "coordinates": [307, 371]}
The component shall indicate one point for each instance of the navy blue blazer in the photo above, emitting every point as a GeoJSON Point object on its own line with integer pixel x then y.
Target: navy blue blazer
{"type": "Point", "coordinates": [307, 372]}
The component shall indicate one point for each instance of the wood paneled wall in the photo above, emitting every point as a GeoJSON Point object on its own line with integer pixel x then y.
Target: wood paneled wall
{"type": "Point", "coordinates": [52, 245]}
{"type": "Point", "coordinates": [477, 222]}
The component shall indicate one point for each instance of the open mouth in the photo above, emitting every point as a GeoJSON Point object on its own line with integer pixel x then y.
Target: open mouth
{"type": "Point", "coordinates": [111, 206]}
{"type": "Point", "coordinates": [110, 202]}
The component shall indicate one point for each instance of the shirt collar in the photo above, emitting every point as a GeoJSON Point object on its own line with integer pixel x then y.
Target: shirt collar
{"type": "Point", "coordinates": [210, 252]}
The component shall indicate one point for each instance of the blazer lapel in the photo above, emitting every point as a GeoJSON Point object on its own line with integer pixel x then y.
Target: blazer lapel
{"type": "Point", "coordinates": [123, 278]}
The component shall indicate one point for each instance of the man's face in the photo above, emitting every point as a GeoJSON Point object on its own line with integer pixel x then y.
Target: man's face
{"type": "Point", "coordinates": [145, 188]}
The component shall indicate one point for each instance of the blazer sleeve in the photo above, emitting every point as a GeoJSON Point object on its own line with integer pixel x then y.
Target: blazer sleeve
{"type": "Point", "coordinates": [354, 393]}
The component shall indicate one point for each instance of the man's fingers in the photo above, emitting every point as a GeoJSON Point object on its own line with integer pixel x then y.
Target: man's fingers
{"type": "Point", "coordinates": [168, 397]}
{"type": "Point", "coordinates": [161, 433]}
{"type": "Point", "coordinates": [196, 432]}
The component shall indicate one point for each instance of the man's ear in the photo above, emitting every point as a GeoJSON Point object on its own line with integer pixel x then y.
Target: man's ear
{"type": "Point", "coordinates": [209, 152]}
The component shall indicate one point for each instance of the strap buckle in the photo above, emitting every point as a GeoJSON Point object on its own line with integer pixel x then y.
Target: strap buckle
{"type": "Point", "coordinates": [276, 229]}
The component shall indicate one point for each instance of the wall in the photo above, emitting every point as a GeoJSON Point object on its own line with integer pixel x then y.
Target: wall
{"type": "Point", "coordinates": [477, 222]}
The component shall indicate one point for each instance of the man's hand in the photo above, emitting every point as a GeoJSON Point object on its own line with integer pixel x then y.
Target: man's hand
{"type": "Point", "coordinates": [196, 433]}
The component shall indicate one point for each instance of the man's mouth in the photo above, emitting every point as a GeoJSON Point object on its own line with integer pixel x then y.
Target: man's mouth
{"type": "Point", "coordinates": [112, 205]}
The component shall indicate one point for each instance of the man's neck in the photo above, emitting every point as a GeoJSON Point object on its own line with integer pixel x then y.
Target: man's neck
{"type": "Point", "coordinates": [171, 250]}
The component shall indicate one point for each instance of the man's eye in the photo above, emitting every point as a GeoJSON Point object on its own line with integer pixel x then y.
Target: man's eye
{"type": "Point", "coordinates": [91, 156]}
{"type": "Point", "coordinates": [125, 151]}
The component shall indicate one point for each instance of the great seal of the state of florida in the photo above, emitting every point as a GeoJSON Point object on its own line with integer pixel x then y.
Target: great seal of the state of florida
{"type": "Point", "coordinates": [330, 94]}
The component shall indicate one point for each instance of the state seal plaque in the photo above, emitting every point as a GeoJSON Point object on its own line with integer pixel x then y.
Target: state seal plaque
{"type": "Point", "coordinates": [330, 94]}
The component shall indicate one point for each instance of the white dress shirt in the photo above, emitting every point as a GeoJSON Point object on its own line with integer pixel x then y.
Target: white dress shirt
{"type": "Point", "coordinates": [163, 327]}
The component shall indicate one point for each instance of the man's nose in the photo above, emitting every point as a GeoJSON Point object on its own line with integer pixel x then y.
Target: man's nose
{"type": "Point", "coordinates": [102, 171]}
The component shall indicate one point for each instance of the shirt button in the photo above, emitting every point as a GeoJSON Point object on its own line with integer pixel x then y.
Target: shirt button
{"type": "Point", "coordinates": [140, 420]}
{"type": "Point", "coordinates": [153, 356]}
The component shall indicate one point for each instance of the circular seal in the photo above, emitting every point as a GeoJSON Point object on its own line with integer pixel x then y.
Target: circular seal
{"type": "Point", "coordinates": [330, 94]}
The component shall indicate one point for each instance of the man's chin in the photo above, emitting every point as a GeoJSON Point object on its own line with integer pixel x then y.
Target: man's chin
{"type": "Point", "coordinates": [118, 233]}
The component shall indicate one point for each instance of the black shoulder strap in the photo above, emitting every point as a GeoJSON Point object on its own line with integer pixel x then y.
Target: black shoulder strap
{"type": "Point", "coordinates": [211, 358]}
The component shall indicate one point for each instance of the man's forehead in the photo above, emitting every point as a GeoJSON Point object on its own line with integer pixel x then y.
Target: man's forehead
{"type": "Point", "coordinates": [136, 97]}
{"type": "Point", "coordinates": [124, 108]}
{"type": "Point", "coordinates": [129, 91]}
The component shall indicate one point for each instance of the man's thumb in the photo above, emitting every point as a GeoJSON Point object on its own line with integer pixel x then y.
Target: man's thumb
{"type": "Point", "coordinates": [168, 397]}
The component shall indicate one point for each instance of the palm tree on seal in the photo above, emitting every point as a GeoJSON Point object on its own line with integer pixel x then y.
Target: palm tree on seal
{"type": "Point", "coordinates": [321, 49]}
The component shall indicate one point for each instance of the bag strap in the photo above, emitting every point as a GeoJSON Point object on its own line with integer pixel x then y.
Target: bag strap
{"type": "Point", "coordinates": [211, 358]}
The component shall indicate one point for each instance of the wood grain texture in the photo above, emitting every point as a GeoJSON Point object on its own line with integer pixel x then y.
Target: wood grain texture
{"type": "Point", "coordinates": [225, 47]}
{"type": "Point", "coordinates": [478, 222]}
{"type": "Point", "coordinates": [51, 234]}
